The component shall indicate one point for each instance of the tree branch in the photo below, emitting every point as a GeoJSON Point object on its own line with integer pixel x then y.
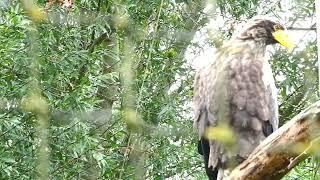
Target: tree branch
{"type": "Point", "coordinates": [302, 28]}
{"type": "Point", "coordinates": [98, 41]}
{"type": "Point", "coordinates": [283, 149]}
{"type": "Point", "coordinates": [311, 28]}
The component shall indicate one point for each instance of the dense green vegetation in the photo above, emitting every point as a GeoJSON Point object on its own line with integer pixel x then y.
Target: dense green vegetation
{"type": "Point", "coordinates": [103, 91]}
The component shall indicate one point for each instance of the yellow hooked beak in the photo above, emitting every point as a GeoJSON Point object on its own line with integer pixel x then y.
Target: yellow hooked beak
{"type": "Point", "coordinates": [283, 38]}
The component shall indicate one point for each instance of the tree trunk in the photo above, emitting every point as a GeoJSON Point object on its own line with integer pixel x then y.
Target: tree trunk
{"type": "Point", "coordinates": [283, 149]}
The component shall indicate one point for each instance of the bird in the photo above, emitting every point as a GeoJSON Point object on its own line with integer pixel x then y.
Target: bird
{"type": "Point", "coordinates": [236, 91]}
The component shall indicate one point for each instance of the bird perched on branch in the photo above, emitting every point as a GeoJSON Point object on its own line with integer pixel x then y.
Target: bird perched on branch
{"type": "Point", "coordinates": [235, 97]}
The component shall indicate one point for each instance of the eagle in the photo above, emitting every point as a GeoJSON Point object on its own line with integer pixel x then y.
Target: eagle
{"type": "Point", "coordinates": [236, 90]}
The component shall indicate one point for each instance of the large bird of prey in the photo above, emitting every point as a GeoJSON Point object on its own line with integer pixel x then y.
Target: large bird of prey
{"type": "Point", "coordinates": [237, 89]}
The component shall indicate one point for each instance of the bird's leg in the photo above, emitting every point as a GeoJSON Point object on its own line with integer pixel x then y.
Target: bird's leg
{"type": "Point", "coordinates": [223, 174]}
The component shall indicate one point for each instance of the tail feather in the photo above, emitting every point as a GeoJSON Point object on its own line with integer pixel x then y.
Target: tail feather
{"type": "Point", "coordinates": [204, 149]}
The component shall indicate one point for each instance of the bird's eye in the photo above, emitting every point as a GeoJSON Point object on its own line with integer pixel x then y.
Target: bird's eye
{"type": "Point", "coordinates": [277, 27]}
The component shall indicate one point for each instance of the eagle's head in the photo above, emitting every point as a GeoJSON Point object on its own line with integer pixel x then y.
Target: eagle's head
{"type": "Point", "coordinates": [267, 32]}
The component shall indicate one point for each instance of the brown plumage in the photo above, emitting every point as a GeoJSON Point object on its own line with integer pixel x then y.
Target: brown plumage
{"type": "Point", "coordinates": [237, 88]}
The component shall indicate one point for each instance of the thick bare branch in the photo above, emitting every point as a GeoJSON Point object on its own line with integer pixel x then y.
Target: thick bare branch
{"type": "Point", "coordinates": [283, 149]}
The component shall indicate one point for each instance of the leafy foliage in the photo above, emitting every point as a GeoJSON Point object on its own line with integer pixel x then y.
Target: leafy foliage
{"type": "Point", "coordinates": [114, 77]}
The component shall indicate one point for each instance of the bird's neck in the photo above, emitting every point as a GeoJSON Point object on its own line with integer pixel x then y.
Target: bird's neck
{"type": "Point", "coordinates": [254, 46]}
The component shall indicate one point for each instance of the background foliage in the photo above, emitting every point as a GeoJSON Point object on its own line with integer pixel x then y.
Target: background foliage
{"type": "Point", "coordinates": [104, 90]}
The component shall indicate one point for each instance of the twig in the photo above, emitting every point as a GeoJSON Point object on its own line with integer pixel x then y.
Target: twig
{"type": "Point", "coordinates": [302, 28]}
{"type": "Point", "coordinates": [304, 154]}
